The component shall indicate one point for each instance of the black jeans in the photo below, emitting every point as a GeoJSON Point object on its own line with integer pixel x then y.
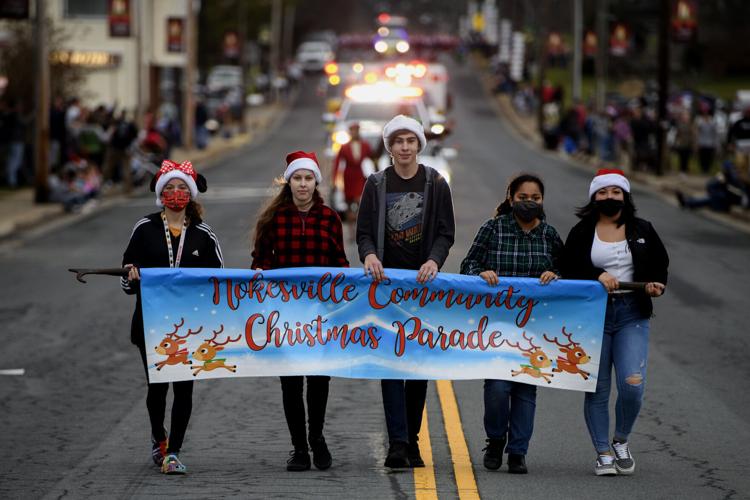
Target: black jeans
{"type": "Point", "coordinates": [403, 402]}
{"type": "Point", "coordinates": [294, 407]}
{"type": "Point", "coordinates": [156, 403]}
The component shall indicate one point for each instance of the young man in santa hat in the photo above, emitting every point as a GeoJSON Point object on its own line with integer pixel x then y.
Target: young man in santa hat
{"type": "Point", "coordinates": [405, 221]}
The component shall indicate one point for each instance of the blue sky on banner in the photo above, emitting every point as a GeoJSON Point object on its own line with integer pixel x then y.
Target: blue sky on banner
{"type": "Point", "coordinates": [172, 295]}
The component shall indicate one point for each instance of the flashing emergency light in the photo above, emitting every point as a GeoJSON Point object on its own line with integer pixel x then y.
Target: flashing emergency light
{"type": "Point", "coordinates": [384, 18]}
{"type": "Point", "coordinates": [402, 46]}
{"type": "Point", "coordinates": [437, 128]}
{"type": "Point", "coordinates": [383, 31]}
{"type": "Point", "coordinates": [358, 68]}
{"type": "Point", "coordinates": [382, 92]}
{"type": "Point", "coordinates": [334, 80]}
{"type": "Point", "coordinates": [371, 77]}
{"type": "Point", "coordinates": [419, 70]}
{"type": "Point", "coordinates": [341, 137]}
{"type": "Point", "coordinates": [381, 47]}
{"type": "Point", "coordinates": [331, 68]}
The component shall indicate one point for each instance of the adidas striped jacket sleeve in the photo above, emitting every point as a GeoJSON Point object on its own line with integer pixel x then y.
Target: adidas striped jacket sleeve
{"type": "Point", "coordinates": [132, 254]}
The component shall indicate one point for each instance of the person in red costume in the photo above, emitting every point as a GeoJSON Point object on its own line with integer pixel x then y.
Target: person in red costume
{"type": "Point", "coordinates": [353, 164]}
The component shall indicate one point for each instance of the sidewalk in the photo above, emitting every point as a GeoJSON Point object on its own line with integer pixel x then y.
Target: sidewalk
{"type": "Point", "coordinates": [20, 213]}
{"type": "Point", "coordinates": [666, 185]}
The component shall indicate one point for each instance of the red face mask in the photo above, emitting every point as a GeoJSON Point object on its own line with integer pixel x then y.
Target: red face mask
{"type": "Point", "coordinates": [176, 199]}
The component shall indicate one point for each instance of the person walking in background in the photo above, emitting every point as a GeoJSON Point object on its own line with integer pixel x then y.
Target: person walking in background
{"type": "Point", "coordinates": [349, 173]}
{"type": "Point", "coordinates": [296, 229]}
{"type": "Point", "coordinates": [176, 236]}
{"type": "Point", "coordinates": [610, 244]}
{"type": "Point", "coordinates": [517, 242]}
{"type": "Point", "coordinates": [405, 221]}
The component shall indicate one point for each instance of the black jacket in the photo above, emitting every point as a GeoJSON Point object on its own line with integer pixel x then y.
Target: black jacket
{"type": "Point", "coordinates": [650, 259]}
{"type": "Point", "coordinates": [439, 226]}
{"type": "Point", "coordinates": [148, 248]}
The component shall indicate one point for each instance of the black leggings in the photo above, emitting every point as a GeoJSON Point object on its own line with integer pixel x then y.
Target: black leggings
{"type": "Point", "coordinates": [294, 407]}
{"type": "Point", "coordinates": [156, 402]}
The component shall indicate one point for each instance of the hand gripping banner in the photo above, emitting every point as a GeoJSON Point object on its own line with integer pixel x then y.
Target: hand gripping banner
{"type": "Point", "coordinates": [211, 323]}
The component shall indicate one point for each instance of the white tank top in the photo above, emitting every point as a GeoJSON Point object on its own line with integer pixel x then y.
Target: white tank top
{"type": "Point", "coordinates": [613, 257]}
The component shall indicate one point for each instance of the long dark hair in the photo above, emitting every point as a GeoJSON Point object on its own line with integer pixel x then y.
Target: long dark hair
{"type": "Point", "coordinates": [513, 186]}
{"type": "Point", "coordinates": [283, 197]}
{"type": "Point", "coordinates": [590, 212]}
{"type": "Point", "coordinates": [194, 212]}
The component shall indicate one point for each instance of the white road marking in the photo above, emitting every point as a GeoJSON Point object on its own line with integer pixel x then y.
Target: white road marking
{"type": "Point", "coordinates": [13, 371]}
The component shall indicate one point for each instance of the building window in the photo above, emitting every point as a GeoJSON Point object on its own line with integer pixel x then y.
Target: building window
{"type": "Point", "coordinates": [85, 8]}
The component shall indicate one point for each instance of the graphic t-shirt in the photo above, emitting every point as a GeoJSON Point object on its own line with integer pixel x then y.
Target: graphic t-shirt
{"type": "Point", "coordinates": [404, 203]}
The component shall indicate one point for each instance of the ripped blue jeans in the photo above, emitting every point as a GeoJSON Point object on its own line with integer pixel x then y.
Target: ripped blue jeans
{"type": "Point", "coordinates": [624, 346]}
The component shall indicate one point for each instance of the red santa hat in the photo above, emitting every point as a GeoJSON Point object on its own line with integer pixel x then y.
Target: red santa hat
{"type": "Point", "coordinates": [301, 160]}
{"type": "Point", "coordinates": [184, 171]}
{"type": "Point", "coordinates": [606, 177]}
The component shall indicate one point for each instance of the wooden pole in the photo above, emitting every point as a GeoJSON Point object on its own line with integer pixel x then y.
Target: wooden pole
{"type": "Point", "coordinates": [41, 122]}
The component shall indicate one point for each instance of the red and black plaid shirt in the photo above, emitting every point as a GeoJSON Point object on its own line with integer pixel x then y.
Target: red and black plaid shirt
{"type": "Point", "coordinates": [297, 240]}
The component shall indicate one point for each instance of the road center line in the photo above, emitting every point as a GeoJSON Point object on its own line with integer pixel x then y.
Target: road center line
{"type": "Point", "coordinates": [465, 482]}
{"type": "Point", "coordinates": [424, 477]}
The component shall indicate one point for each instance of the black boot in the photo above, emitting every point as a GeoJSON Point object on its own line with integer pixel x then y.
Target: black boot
{"type": "Point", "coordinates": [398, 455]}
{"type": "Point", "coordinates": [415, 458]}
{"type": "Point", "coordinates": [493, 453]}
{"type": "Point", "coordinates": [517, 464]}
{"type": "Point", "coordinates": [321, 456]}
{"type": "Point", "coordinates": [299, 460]}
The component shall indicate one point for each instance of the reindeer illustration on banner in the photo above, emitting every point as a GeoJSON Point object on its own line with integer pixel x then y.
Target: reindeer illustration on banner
{"type": "Point", "coordinates": [537, 358]}
{"type": "Point", "coordinates": [170, 346]}
{"type": "Point", "coordinates": [206, 352]}
{"type": "Point", "coordinates": [574, 356]}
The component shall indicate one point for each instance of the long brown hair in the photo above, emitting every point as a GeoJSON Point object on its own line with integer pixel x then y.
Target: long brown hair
{"type": "Point", "coordinates": [194, 212]}
{"type": "Point", "coordinates": [283, 197]}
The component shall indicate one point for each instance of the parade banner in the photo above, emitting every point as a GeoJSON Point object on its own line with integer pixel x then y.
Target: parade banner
{"type": "Point", "coordinates": [211, 323]}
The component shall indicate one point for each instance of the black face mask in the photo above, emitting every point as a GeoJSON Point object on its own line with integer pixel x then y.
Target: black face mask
{"type": "Point", "coordinates": [609, 207]}
{"type": "Point", "coordinates": [527, 211]}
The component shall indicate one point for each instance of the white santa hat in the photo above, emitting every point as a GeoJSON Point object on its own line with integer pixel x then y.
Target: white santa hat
{"type": "Point", "coordinates": [300, 160]}
{"type": "Point", "coordinates": [400, 123]}
{"type": "Point", "coordinates": [606, 177]}
{"type": "Point", "coordinates": [172, 170]}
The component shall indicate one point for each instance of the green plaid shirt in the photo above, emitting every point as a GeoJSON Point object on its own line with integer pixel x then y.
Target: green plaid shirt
{"type": "Point", "coordinates": [502, 246]}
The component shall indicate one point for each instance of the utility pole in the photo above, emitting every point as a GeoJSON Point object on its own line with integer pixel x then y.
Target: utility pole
{"type": "Point", "coordinates": [188, 115]}
{"type": "Point", "coordinates": [242, 35]}
{"type": "Point", "coordinates": [661, 131]}
{"type": "Point", "coordinates": [602, 46]}
{"type": "Point", "coordinates": [289, 11]}
{"type": "Point", "coordinates": [275, 42]}
{"type": "Point", "coordinates": [41, 120]}
{"type": "Point", "coordinates": [577, 47]}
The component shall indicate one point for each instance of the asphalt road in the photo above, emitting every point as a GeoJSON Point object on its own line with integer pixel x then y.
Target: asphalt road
{"type": "Point", "coordinates": [74, 425]}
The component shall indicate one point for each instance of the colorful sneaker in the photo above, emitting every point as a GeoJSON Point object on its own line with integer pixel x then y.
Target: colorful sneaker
{"type": "Point", "coordinates": [158, 451]}
{"type": "Point", "coordinates": [605, 465]}
{"type": "Point", "coordinates": [623, 459]}
{"type": "Point", "coordinates": [172, 465]}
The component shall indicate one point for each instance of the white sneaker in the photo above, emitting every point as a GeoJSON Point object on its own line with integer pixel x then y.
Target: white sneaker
{"type": "Point", "coordinates": [623, 459]}
{"type": "Point", "coordinates": [605, 465]}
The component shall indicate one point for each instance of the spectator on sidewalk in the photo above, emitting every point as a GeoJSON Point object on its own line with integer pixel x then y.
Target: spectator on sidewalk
{"type": "Point", "coordinates": [738, 139]}
{"type": "Point", "coordinates": [57, 132]}
{"type": "Point", "coordinates": [117, 165]}
{"type": "Point", "coordinates": [201, 117]}
{"type": "Point", "coordinates": [91, 140]}
{"type": "Point", "coordinates": [15, 125]}
{"type": "Point", "coordinates": [682, 132]}
{"type": "Point", "coordinates": [723, 191]}
{"type": "Point", "coordinates": [643, 128]}
{"type": "Point", "coordinates": [706, 134]}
